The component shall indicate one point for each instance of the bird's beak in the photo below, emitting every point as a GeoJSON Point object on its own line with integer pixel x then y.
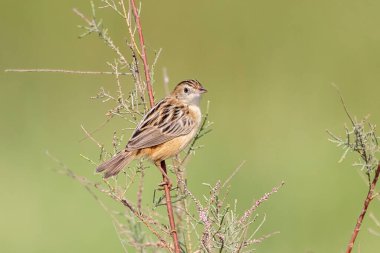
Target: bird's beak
{"type": "Point", "coordinates": [202, 90]}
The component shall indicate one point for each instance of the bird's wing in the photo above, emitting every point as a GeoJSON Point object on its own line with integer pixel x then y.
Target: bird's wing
{"type": "Point", "coordinates": [165, 121]}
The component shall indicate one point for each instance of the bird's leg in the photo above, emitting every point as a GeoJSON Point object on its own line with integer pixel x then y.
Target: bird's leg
{"type": "Point", "coordinates": [162, 167]}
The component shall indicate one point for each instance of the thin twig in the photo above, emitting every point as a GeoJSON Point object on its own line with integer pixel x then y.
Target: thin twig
{"type": "Point", "coordinates": [143, 219]}
{"type": "Point", "coordinates": [91, 137]}
{"type": "Point", "coordinates": [343, 103]}
{"type": "Point", "coordinates": [258, 202]}
{"type": "Point", "coordinates": [169, 207]}
{"type": "Point", "coordinates": [140, 189]}
{"type": "Point", "coordinates": [129, 25]}
{"type": "Point", "coordinates": [102, 33]}
{"type": "Point", "coordinates": [66, 71]}
{"type": "Point", "coordinates": [151, 100]}
{"type": "Point", "coordinates": [233, 174]}
{"type": "Point", "coordinates": [143, 53]}
{"type": "Point", "coordinates": [367, 201]}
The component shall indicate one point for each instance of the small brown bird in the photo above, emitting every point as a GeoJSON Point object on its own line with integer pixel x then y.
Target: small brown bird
{"type": "Point", "coordinates": [164, 131]}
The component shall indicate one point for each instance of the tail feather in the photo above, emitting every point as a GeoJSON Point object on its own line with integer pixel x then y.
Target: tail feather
{"type": "Point", "coordinates": [115, 164]}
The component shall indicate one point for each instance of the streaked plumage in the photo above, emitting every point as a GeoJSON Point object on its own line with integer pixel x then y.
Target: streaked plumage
{"type": "Point", "coordinates": [164, 131]}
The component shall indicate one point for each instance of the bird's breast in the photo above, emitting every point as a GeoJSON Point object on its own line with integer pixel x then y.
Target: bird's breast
{"type": "Point", "coordinates": [176, 145]}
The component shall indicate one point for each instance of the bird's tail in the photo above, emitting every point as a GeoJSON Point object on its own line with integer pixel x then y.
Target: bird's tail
{"type": "Point", "coordinates": [113, 166]}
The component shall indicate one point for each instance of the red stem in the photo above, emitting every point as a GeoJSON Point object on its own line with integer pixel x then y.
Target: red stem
{"type": "Point", "coordinates": [169, 208]}
{"type": "Point", "coordinates": [367, 201]}
{"type": "Point", "coordinates": [167, 186]}
{"type": "Point", "coordinates": [143, 54]}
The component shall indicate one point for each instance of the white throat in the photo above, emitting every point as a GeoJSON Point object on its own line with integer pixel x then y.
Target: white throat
{"type": "Point", "coordinates": [194, 99]}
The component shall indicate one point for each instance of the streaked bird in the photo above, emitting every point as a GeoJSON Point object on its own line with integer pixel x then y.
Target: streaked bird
{"type": "Point", "coordinates": [164, 131]}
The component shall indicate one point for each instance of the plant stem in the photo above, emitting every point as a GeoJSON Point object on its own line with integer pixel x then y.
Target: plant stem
{"type": "Point", "coordinates": [143, 53]}
{"type": "Point", "coordinates": [66, 71]}
{"type": "Point", "coordinates": [167, 186]}
{"type": "Point", "coordinates": [169, 208]}
{"type": "Point", "coordinates": [367, 201]}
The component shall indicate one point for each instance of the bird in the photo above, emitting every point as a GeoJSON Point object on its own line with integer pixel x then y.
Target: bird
{"type": "Point", "coordinates": [164, 131]}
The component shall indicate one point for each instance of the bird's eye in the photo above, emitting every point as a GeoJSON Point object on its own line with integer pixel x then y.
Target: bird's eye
{"type": "Point", "coordinates": [186, 90]}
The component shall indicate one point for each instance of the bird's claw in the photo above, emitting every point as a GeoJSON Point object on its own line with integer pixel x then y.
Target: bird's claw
{"type": "Point", "coordinates": [166, 182]}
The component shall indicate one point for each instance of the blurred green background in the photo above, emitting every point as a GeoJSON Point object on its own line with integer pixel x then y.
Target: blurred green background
{"type": "Point", "coordinates": [268, 66]}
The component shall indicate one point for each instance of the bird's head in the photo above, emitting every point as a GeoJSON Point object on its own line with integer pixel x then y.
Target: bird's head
{"type": "Point", "coordinates": [189, 92]}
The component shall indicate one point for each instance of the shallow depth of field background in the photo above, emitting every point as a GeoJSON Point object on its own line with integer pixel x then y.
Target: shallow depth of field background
{"type": "Point", "coordinates": [268, 66]}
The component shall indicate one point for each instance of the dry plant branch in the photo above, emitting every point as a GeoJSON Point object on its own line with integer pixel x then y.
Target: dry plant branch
{"type": "Point", "coordinates": [362, 139]}
{"type": "Point", "coordinates": [222, 229]}
{"type": "Point", "coordinates": [151, 224]}
{"type": "Point", "coordinates": [143, 53]}
{"type": "Point", "coordinates": [167, 186]}
{"type": "Point", "coordinates": [205, 224]}
{"type": "Point", "coordinates": [66, 71]}
{"type": "Point", "coordinates": [367, 201]}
